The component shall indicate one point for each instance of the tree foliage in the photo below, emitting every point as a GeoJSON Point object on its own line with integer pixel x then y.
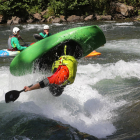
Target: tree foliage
{"type": "Point", "coordinates": [25, 8]}
{"type": "Point", "coordinates": [21, 8]}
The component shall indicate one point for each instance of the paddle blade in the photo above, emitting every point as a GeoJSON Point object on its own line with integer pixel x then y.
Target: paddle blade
{"type": "Point", "coordinates": [11, 96]}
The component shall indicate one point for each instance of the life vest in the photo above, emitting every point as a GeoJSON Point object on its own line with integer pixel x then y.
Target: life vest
{"type": "Point", "coordinates": [9, 43]}
{"type": "Point", "coordinates": [71, 64]}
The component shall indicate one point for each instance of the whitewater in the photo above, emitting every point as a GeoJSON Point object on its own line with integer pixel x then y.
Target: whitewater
{"type": "Point", "coordinates": [104, 87]}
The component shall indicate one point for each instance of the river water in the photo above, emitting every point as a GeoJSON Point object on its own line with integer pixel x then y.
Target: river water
{"type": "Point", "coordinates": [104, 100]}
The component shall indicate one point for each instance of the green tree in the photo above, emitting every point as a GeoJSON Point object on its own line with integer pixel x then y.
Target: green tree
{"type": "Point", "coordinates": [21, 8]}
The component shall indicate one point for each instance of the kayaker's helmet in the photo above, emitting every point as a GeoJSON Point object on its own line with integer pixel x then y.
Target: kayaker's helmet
{"type": "Point", "coordinates": [46, 27]}
{"type": "Point", "coordinates": [15, 30]}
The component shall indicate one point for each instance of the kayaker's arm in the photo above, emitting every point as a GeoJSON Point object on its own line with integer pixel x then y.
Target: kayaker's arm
{"type": "Point", "coordinates": [41, 84]}
{"type": "Point", "coordinates": [44, 35]}
{"type": "Point", "coordinates": [16, 42]}
{"type": "Point", "coordinates": [36, 86]}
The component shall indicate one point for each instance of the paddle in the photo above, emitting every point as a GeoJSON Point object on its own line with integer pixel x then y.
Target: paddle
{"type": "Point", "coordinates": [13, 95]}
{"type": "Point", "coordinates": [24, 42]}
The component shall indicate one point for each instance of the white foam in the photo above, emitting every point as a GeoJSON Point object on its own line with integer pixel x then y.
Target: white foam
{"type": "Point", "coordinates": [109, 71]}
{"type": "Point", "coordinates": [124, 23]}
{"type": "Point", "coordinates": [80, 105]}
{"type": "Point", "coordinates": [80, 23]}
{"type": "Point", "coordinates": [38, 27]}
{"type": "Point", "coordinates": [58, 24]}
{"type": "Point", "coordinates": [4, 84]}
{"type": "Point", "coordinates": [124, 45]}
{"type": "Point", "coordinates": [107, 27]}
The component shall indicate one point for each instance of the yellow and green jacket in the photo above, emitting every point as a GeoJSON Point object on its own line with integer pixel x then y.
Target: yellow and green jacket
{"type": "Point", "coordinates": [71, 64]}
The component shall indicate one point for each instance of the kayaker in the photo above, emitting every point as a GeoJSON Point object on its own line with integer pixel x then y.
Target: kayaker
{"type": "Point", "coordinates": [43, 34]}
{"type": "Point", "coordinates": [64, 74]}
{"type": "Point", "coordinates": [13, 41]}
{"type": "Point", "coordinates": [46, 32]}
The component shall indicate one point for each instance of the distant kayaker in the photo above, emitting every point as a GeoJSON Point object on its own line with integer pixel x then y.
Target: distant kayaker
{"type": "Point", "coordinates": [64, 70]}
{"type": "Point", "coordinates": [43, 34]}
{"type": "Point", "coordinates": [13, 41]}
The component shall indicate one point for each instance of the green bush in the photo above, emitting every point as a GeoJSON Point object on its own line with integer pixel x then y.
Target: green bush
{"type": "Point", "coordinates": [25, 8]}
{"type": "Point", "coordinates": [22, 8]}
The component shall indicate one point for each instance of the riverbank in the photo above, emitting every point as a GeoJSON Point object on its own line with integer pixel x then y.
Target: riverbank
{"type": "Point", "coordinates": [72, 18]}
{"type": "Point", "coordinates": [117, 11]}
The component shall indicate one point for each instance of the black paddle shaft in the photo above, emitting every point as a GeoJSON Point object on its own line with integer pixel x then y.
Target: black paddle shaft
{"type": "Point", "coordinates": [13, 95]}
{"type": "Point", "coordinates": [24, 42]}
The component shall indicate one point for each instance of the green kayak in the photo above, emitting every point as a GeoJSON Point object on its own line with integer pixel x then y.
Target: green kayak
{"type": "Point", "coordinates": [80, 42]}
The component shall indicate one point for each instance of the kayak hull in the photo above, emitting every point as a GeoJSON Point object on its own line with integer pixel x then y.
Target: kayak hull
{"type": "Point", "coordinates": [7, 53]}
{"type": "Point", "coordinates": [93, 54]}
{"type": "Point", "coordinates": [80, 41]}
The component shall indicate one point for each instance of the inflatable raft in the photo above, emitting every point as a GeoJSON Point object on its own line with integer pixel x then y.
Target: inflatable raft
{"type": "Point", "coordinates": [7, 53]}
{"type": "Point", "coordinates": [80, 42]}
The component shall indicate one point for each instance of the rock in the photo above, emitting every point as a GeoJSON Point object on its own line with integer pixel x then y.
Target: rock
{"type": "Point", "coordinates": [73, 18]}
{"type": "Point", "coordinates": [122, 8]}
{"type": "Point", "coordinates": [102, 17]}
{"type": "Point", "coordinates": [1, 18]}
{"type": "Point", "coordinates": [50, 18]}
{"type": "Point", "coordinates": [29, 20]}
{"type": "Point", "coordinates": [137, 18]}
{"type": "Point", "coordinates": [9, 22]}
{"type": "Point", "coordinates": [56, 20]}
{"type": "Point", "coordinates": [37, 16]}
{"type": "Point", "coordinates": [43, 20]}
{"type": "Point", "coordinates": [118, 16]}
{"type": "Point", "coordinates": [17, 20]}
{"type": "Point", "coordinates": [37, 127]}
{"type": "Point", "coordinates": [81, 18]}
{"type": "Point", "coordinates": [62, 18]}
{"type": "Point", "coordinates": [130, 10]}
{"type": "Point", "coordinates": [14, 20]}
{"type": "Point", "coordinates": [90, 17]}
{"type": "Point", "coordinates": [44, 12]}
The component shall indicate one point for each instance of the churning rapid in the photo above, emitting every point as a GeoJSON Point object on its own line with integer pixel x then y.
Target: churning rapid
{"type": "Point", "coordinates": [104, 99]}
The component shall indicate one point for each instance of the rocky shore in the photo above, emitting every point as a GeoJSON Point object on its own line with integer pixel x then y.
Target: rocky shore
{"type": "Point", "coordinates": [118, 11]}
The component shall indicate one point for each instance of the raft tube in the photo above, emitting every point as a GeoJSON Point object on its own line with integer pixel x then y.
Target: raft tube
{"type": "Point", "coordinates": [80, 42]}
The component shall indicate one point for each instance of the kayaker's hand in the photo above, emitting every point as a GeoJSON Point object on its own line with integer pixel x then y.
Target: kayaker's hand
{"type": "Point", "coordinates": [27, 88]}
{"type": "Point", "coordinates": [46, 31]}
{"type": "Point", "coordinates": [19, 37]}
